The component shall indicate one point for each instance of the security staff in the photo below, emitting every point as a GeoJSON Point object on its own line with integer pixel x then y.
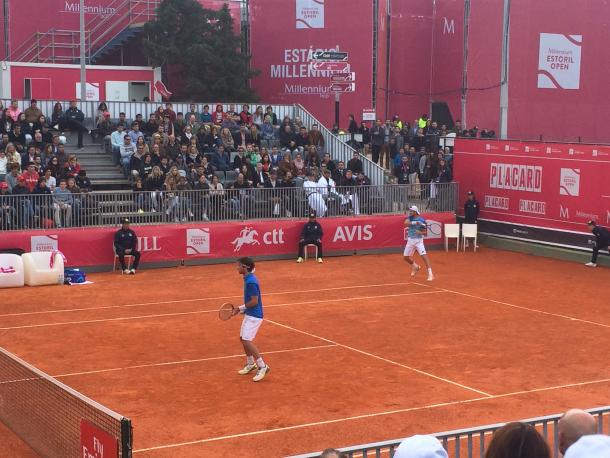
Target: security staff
{"type": "Point", "coordinates": [471, 209]}
{"type": "Point", "coordinates": [311, 235]}
{"type": "Point", "coordinates": [602, 241]}
{"type": "Point", "coordinates": [126, 243]}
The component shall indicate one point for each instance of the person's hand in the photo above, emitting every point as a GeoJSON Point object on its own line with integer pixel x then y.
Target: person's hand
{"type": "Point", "coordinates": [128, 251]}
{"type": "Point", "coordinates": [301, 240]}
{"type": "Point", "coordinates": [235, 311]}
{"type": "Point", "coordinates": [318, 240]}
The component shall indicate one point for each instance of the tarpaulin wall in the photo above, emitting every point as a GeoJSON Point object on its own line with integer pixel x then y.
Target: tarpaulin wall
{"type": "Point", "coordinates": [189, 242]}
{"type": "Point", "coordinates": [533, 185]}
{"type": "Point", "coordinates": [559, 67]}
{"type": "Point", "coordinates": [283, 35]}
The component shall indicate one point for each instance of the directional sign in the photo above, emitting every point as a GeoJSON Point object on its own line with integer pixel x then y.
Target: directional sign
{"type": "Point", "coordinates": [332, 56]}
{"type": "Point", "coordinates": [349, 77]}
{"type": "Point", "coordinates": [340, 67]}
{"type": "Point", "coordinates": [343, 87]}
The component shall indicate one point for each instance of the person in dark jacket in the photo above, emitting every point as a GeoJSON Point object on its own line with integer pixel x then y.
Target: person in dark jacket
{"type": "Point", "coordinates": [311, 234]}
{"type": "Point", "coordinates": [602, 241]}
{"type": "Point", "coordinates": [471, 209]}
{"type": "Point", "coordinates": [126, 243]}
{"type": "Point", "coordinates": [74, 119]}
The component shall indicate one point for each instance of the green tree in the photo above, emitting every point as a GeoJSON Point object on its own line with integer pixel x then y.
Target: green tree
{"type": "Point", "coordinates": [200, 44]}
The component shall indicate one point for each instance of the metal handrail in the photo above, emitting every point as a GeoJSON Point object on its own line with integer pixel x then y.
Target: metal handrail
{"type": "Point", "coordinates": [341, 150]}
{"type": "Point", "coordinates": [470, 435]}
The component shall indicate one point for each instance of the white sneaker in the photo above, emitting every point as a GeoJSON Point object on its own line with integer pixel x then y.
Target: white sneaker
{"type": "Point", "coordinates": [300, 260]}
{"type": "Point", "coordinates": [430, 277]}
{"type": "Point", "coordinates": [260, 374]}
{"type": "Point", "coordinates": [132, 272]}
{"type": "Point", "coordinates": [247, 369]}
{"type": "Point", "coordinates": [414, 270]}
{"type": "Point", "coordinates": [320, 261]}
{"type": "Point", "coordinates": [591, 264]}
{"type": "Point", "coordinates": [126, 271]}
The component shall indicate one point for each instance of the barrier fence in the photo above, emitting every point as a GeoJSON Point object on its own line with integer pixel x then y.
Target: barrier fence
{"type": "Point", "coordinates": [44, 211]}
{"type": "Point", "coordinates": [472, 442]}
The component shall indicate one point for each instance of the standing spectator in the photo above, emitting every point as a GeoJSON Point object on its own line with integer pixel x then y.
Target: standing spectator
{"type": "Point", "coordinates": [311, 234]}
{"type": "Point", "coordinates": [126, 242]}
{"type": "Point", "coordinates": [75, 119]}
{"type": "Point", "coordinates": [33, 113]}
{"type": "Point", "coordinates": [377, 137]}
{"type": "Point", "coordinates": [62, 203]}
{"type": "Point", "coordinates": [573, 425]}
{"type": "Point", "coordinates": [516, 440]}
{"type": "Point", "coordinates": [422, 447]}
{"type": "Point", "coordinates": [602, 241]}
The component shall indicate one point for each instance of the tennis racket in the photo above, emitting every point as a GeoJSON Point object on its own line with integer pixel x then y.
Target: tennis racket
{"type": "Point", "coordinates": [226, 311]}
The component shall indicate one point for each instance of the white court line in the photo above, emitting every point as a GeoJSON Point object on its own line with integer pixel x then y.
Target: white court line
{"type": "Point", "coordinates": [194, 312]}
{"type": "Point", "coordinates": [363, 416]}
{"type": "Point", "coordinates": [189, 361]}
{"type": "Point", "coordinates": [338, 288]}
{"type": "Point", "coordinates": [521, 307]}
{"type": "Point", "coordinates": [362, 352]}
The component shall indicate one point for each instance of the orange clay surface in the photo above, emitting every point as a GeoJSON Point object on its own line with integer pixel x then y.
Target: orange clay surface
{"type": "Point", "coordinates": [359, 350]}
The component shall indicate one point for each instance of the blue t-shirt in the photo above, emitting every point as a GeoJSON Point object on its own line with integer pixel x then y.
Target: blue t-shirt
{"type": "Point", "coordinates": [251, 289]}
{"type": "Point", "coordinates": [413, 228]}
{"type": "Point", "coordinates": [206, 117]}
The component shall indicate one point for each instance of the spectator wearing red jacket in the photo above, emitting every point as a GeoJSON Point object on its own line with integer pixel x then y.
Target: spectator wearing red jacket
{"type": "Point", "coordinates": [30, 177]}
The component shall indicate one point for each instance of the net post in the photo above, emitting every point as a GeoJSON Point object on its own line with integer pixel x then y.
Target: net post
{"type": "Point", "coordinates": [126, 438]}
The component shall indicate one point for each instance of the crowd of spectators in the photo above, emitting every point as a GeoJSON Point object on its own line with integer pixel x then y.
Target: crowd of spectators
{"type": "Point", "coordinates": [412, 153]}
{"type": "Point", "coordinates": [50, 184]}
{"type": "Point", "coordinates": [226, 153]}
{"type": "Point", "coordinates": [577, 437]}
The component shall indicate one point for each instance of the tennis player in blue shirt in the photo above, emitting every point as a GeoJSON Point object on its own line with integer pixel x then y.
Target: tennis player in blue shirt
{"type": "Point", "coordinates": [417, 230]}
{"type": "Point", "coordinates": [252, 309]}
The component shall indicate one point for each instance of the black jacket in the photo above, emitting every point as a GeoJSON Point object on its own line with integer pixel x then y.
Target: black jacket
{"type": "Point", "coordinates": [471, 211]}
{"type": "Point", "coordinates": [602, 236]}
{"type": "Point", "coordinates": [312, 231]}
{"type": "Point", "coordinates": [125, 239]}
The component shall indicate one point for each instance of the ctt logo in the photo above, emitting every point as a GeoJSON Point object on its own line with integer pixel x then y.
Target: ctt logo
{"type": "Point", "coordinates": [352, 233]}
{"type": "Point", "coordinates": [198, 241]}
{"type": "Point", "coordinates": [249, 236]}
{"type": "Point", "coordinates": [44, 243]}
{"type": "Point", "coordinates": [569, 184]}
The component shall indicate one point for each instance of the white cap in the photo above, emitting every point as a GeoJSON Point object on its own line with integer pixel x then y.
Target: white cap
{"type": "Point", "coordinates": [420, 447]}
{"type": "Point", "coordinates": [593, 446]}
{"type": "Point", "coordinates": [414, 208]}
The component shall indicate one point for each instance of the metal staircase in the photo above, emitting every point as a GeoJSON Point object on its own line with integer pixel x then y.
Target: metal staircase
{"type": "Point", "coordinates": [111, 31]}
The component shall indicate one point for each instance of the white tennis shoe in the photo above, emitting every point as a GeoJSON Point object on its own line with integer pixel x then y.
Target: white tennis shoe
{"type": "Point", "coordinates": [414, 270]}
{"type": "Point", "coordinates": [260, 374]}
{"type": "Point", "coordinates": [430, 277]}
{"type": "Point", "coordinates": [246, 369]}
{"type": "Point", "coordinates": [591, 264]}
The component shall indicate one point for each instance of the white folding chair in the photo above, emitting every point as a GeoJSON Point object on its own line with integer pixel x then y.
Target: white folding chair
{"type": "Point", "coordinates": [469, 231]}
{"type": "Point", "coordinates": [452, 231]}
{"type": "Point", "coordinates": [128, 260]}
{"type": "Point", "coordinates": [307, 249]}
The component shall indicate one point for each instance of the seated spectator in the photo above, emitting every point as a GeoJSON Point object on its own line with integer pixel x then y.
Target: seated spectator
{"type": "Point", "coordinates": [311, 234]}
{"type": "Point", "coordinates": [266, 162]}
{"type": "Point", "coordinates": [126, 243]}
{"type": "Point", "coordinates": [33, 113]}
{"type": "Point", "coordinates": [103, 130]}
{"type": "Point", "coordinates": [272, 116]}
{"type": "Point", "coordinates": [287, 166]}
{"type": "Point", "coordinates": [116, 140]}
{"type": "Point", "coordinates": [517, 440]}
{"type": "Point", "coordinates": [315, 137]}
{"type": "Point", "coordinates": [268, 132]}
{"type": "Point", "coordinates": [332, 453]}
{"type": "Point", "coordinates": [255, 136]}
{"type": "Point", "coordinates": [227, 139]}
{"type": "Point", "coordinates": [574, 424]}
{"type": "Point", "coordinates": [218, 116]}
{"type": "Point", "coordinates": [135, 162]}
{"type": "Point", "coordinates": [242, 137]}
{"type": "Point", "coordinates": [71, 167]}
{"type": "Point", "coordinates": [302, 139]}
{"type": "Point", "coordinates": [206, 116]}
{"type": "Point", "coordinates": [258, 117]}
{"type": "Point", "coordinates": [355, 163]}
{"type": "Point", "coordinates": [425, 447]}
{"type": "Point", "coordinates": [299, 164]}
{"type": "Point", "coordinates": [83, 181]}
{"type": "Point", "coordinates": [275, 157]}
{"type": "Point", "coordinates": [287, 135]}
{"type": "Point", "coordinates": [17, 137]}
{"type": "Point", "coordinates": [7, 211]}
{"type": "Point", "coordinates": [30, 177]}
{"type": "Point", "coordinates": [328, 163]}
{"type": "Point", "coordinates": [14, 111]}
{"type": "Point", "coordinates": [221, 160]}
{"type": "Point", "coordinates": [145, 167]}
{"type": "Point", "coordinates": [313, 158]}
{"type": "Point", "coordinates": [127, 150]}
{"type": "Point", "coordinates": [3, 164]}
{"type": "Point", "coordinates": [135, 133]}
{"type": "Point", "coordinates": [57, 170]}
{"type": "Point", "coordinates": [592, 446]}
{"type": "Point", "coordinates": [245, 117]}
{"type": "Point", "coordinates": [313, 191]}
{"type": "Point", "coordinates": [260, 177]}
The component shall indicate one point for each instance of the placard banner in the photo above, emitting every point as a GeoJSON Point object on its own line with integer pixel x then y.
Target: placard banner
{"type": "Point", "coordinates": [175, 242]}
{"type": "Point", "coordinates": [547, 185]}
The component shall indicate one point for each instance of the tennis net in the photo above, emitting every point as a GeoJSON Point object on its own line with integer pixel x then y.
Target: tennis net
{"type": "Point", "coordinates": [49, 416]}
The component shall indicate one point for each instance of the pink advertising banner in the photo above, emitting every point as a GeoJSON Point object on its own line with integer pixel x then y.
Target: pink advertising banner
{"type": "Point", "coordinates": [285, 34]}
{"type": "Point", "coordinates": [174, 243]}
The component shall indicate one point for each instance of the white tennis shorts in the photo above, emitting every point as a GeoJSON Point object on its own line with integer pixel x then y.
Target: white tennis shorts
{"type": "Point", "coordinates": [415, 244]}
{"type": "Point", "coordinates": [249, 327]}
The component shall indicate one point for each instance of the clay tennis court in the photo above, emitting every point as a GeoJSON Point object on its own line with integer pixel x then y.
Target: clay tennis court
{"type": "Point", "coordinates": [359, 352]}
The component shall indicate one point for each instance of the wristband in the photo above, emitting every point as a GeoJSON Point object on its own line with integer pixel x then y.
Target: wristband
{"type": "Point", "coordinates": [242, 309]}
